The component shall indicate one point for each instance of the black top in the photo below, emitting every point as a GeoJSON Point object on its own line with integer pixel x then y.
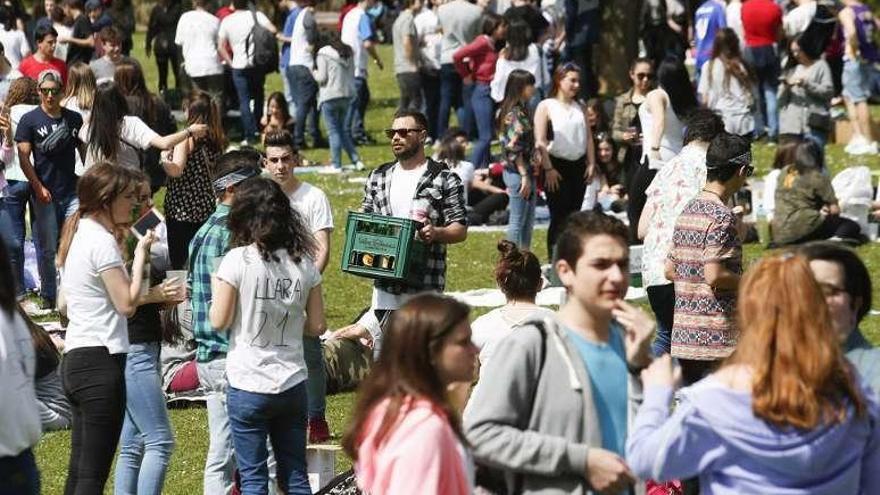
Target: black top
{"type": "Point", "coordinates": [82, 29]}
{"type": "Point", "coordinates": [162, 28]}
{"type": "Point", "coordinates": [533, 17]}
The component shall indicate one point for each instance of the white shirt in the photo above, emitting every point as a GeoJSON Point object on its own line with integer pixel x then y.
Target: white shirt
{"type": "Point", "coordinates": [300, 49]}
{"type": "Point", "coordinates": [236, 29]}
{"type": "Point", "coordinates": [265, 340]}
{"type": "Point", "coordinates": [197, 37]}
{"type": "Point", "coordinates": [19, 409]}
{"type": "Point", "coordinates": [532, 63]}
{"type": "Point", "coordinates": [797, 19]}
{"type": "Point", "coordinates": [314, 206]}
{"type": "Point", "coordinates": [673, 135]}
{"type": "Point", "coordinates": [15, 46]}
{"type": "Point", "coordinates": [430, 36]}
{"type": "Point", "coordinates": [13, 169]}
{"type": "Point", "coordinates": [733, 13]}
{"type": "Point", "coordinates": [350, 35]}
{"type": "Point", "coordinates": [569, 129]}
{"type": "Point", "coordinates": [465, 171]}
{"type": "Point", "coordinates": [62, 48]}
{"type": "Point", "coordinates": [94, 320]}
{"type": "Point", "coordinates": [134, 134]}
{"type": "Point", "coordinates": [403, 190]}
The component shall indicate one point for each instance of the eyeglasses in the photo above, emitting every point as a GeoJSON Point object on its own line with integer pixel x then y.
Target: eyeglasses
{"type": "Point", "coordinates": [282, 158]}
{"type": "Point", "coordinates": [749, 170]}
{"type": "Point", "coordinates": [50, 91]}
{"type": "Point", "coordinates": [644, 75]}
{"type": "Point", "coordinates": [390, 133]}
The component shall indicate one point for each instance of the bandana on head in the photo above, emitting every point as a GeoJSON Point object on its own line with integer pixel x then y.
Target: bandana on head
{"type": "Point", "coordinates": [739, 160]}
{"type": "Point", "coordinates": [232, 178]}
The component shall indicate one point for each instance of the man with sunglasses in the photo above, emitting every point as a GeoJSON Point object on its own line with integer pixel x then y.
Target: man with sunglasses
{"type": "Point", "coordinates": [705, 262]}
{"type": "Point", "coordinates": [417, 187]}
{"type": "Point", "coordinates": [48, 135]}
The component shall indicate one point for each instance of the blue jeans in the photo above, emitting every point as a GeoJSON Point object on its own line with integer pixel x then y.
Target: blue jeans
{"type": "Point", "coordinates": [47, 224]}
{"type": "Point", "coordinates": [19, 474]}
{"type": "Point", "coordinates": [340, 135]}
{"type": "Point", "coordinates": [765, 62]}
{"type": "Point", "coordinates": [484, 115]}
{"type": "Point", "coordinates": [304, 90]}
{"type": "Point", "coordinates": [317, 381]}
{"type": "Point", "coordinates": [522, 211]}
{"type": "Point", "coordinates": [354, 119]}
{"type": "Point", "coordinates": [450, 97]}
{"type": "Point", "coordinates": [249, 85]}
{"type": "Point", "coordinates": [13, 246]}
{"type": "Point", "coordinates": [288, 96]}
{"type": "Point", "coordinates": [19, 194]}
{"type": "Point", "coordinates": [466, 117]}
{"type": "Point", "coordinates": [283, 417]}
{"type": "Point", "coordinates": [146, 441]}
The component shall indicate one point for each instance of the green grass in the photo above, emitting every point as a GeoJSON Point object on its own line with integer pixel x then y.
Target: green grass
{"type": "Point", "coordinates": [470, 267]}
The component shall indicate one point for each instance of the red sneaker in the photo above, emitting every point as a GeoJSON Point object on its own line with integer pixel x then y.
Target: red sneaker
{"type": "Point", "coordinates": [319, 431]}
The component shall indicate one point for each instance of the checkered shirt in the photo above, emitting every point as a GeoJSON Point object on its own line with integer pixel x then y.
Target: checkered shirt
{"type": "Point", "coordinates": [210, 242]}
{"type": "Point", "coordinates": [444, 191]}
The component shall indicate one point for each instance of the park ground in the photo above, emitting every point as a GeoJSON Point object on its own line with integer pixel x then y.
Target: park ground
{"type": "Point", "coordinates": [470, 267]}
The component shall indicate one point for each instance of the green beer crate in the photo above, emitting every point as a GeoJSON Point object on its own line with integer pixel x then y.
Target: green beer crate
{"type": "Point", "coordinates": [383, 247]}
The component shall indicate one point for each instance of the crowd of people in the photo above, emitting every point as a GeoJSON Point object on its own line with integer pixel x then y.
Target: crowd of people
{"type": "Point", "coordinates": [743, 381]}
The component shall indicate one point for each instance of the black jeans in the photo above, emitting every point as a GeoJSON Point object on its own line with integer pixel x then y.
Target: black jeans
{"type": "Point", "coordinates": [162, 61]}
{"type": "Point", "coordinates": [638, 184]}
{"type": "Point", "coordinates": [662, 299]}
{"type": "Point", "coordinates": [567, 198]}
{"type": "Point", "coordinates": [410, 84]}
{"type": "Point", "coordinates": [94, 383]}
{"type": "Point", "coordinates": [431, 94]}
{"type": "Point", "coordinates": [835, 226]}
{"type": "Point", "coordinates": [214, 86]}
{"type": "Point", "coordinates": [483, 205]}
{"type": "Point", "coordinates": [179, 236]}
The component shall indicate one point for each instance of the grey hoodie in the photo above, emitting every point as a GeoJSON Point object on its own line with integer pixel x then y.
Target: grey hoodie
{"type": "Point", "coordinates": [334, 75]}
{"type": "Point", "coordinates": [540, 424]}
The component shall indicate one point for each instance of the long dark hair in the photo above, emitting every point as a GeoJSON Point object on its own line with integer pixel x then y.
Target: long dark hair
{"type": "Point", "coordinates": [202, 109]}
{"type": "Point", "coordinates": [672, 77]}
{"type": "Point", "coordinates": [129, 78]}
{"type": "Point", "coordinates": [517, 81]}
{"type": "Point", "coordinates": [519, 37]}
{"type": "Point", "coordinates": [725, 49]}
{"type": "Point", "coordinates": [452, 151]}
{"type": "Point", "coordinates": [106, 123]}
{"type": "Point", "coordinates": [261, 214]}
{"type": "Point", "coordinates": [405, 368]}
{"type": "Point", "coordinates": [331, 38]}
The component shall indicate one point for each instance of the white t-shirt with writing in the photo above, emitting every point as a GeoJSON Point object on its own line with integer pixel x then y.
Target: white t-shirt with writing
{"type": "Point", "coordinates": [403, 190]}
{"type": "Point", "coordinates": [265, 339]}
{"type": "Point", "coordinates": [134, 135]}
{"type": "Point", "coordinates": [19, 410]}
{"type": "Point", "coordinates": [197, 36]}
{"type": "Point", "coordinates": [236, 29]}
{"type": "Point", "coordinates": [314, 206]}
{"type": "Point", "coordinates": [94, 321]}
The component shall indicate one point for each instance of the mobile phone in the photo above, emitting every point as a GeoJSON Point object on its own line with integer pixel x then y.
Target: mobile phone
{"type": "Point", "coordinates": [147, 221]}
{"type": "Point", "coordinates": [744, 198]}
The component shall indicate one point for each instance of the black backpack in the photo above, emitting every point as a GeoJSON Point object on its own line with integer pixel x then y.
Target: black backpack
{"type": "Point", "coordinates": [265, 47]}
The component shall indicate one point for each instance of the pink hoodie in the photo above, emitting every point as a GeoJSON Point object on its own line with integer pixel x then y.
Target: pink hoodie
{"type": "Point", "coordinates": [420, 454]}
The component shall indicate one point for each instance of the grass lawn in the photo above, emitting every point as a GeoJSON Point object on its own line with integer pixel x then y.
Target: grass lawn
{"type": "Point", "coordinates": [470, 267]}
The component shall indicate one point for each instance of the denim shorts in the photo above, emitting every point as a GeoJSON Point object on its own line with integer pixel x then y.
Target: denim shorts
{"type": "Point", "coordinates": [857, 80]}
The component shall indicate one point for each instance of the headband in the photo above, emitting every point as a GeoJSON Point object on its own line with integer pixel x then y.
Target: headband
{"type": "Point", "coordinates": [232, 178]}
{"type": "Point", "coordinates": [740, 160]}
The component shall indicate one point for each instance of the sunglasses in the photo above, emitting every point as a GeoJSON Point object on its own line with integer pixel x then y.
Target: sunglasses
{"type": "Point", "coordinates": [390, 133]}
{"type": "Point", "coordinates": [282, 158]}
{"type": "Point", "coordinates": [750, 170]}
{"type": "Point", "coordinates": [50, 91]}
{"type": "Point", "coordinates": [644, 75]}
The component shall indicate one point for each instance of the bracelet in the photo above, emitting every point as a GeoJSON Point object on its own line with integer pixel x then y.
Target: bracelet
{"type": "Point", "coordinates": [188, 132]}
{"type": "Point", "coordinates": [655, 149]}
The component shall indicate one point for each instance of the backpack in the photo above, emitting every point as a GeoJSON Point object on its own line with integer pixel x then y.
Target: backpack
{"type": "Point", "coordinates": [265, 47]}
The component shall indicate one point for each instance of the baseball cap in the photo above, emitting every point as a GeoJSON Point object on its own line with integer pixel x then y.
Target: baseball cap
{"type": "Point", "coordinates": [93, 4]}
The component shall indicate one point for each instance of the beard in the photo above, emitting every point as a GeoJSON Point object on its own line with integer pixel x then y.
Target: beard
{"type": "Point", "coordinates": [407, 152]}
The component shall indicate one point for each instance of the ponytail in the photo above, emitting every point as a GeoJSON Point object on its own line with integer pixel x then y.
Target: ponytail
{"type": "Point", "coordinates": [67, 232]}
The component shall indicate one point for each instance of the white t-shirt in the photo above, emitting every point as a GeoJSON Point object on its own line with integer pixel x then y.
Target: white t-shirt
{"type": "Point", "coordinates": [265, 340]}
{"type": "Point", "coordinates": [236, 29]}
{"type": "Point", "coordinates": [532, 63]}
{"type": "Point", "coordinates": [465, 171]}
{"type": "Point", "coordinates": [797, 19]}
{"type": "Point", "coordinates": [197, 37]}
{"type": "Point", "coordinates": [300, 50]}
{"type": "Point", "coordinates": [403, 190]}
{"type": "Point", "coordinates": [62, 48]}
{"type": "Point", "coordinates": [313, 204]}
{"type": "Point", "coordinates": [15, 46]}
{"type": "Point", "coordinates": [94, 320]}
{"type": "Point", "coordinates": [13, 169]}
{"type": "Point", "coordinates": [19, 410]}
{"type": "Point", "coordinates": [351, 36]}
{"type": "Point", "coordinates": [134, 135]}
{"type": "Point", "coordinates": [430, 37]}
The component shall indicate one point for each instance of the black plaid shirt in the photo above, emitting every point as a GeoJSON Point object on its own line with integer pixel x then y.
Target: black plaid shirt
{"type": "Point", "coordinates": [444, 191]}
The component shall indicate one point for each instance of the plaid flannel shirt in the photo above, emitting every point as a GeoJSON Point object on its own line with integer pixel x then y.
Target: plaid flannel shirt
{"type": "Point", "coordinates": [209, 243]}
{"type": "Point", "coordinates": [444, 191]}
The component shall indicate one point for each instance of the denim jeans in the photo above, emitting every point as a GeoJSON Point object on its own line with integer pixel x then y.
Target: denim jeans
{"type": "Point", "coordinates": [354, 119]}
{"type": "Point", "coordinates": [466, 118]}
{"type": "Point", "coordinates": [146, 441]}
{"type": "Point", "coordinates": [288, 96]}
{"type": "Point", "coordinates": [662, 300]}
{"type": "Point", "coordinates": [15, 204]}
{"type": "Point", "coordinates": [431, 99]}
{"type": "Point", "coordinates": [484, 116]}
{"type": "Point", "coordinates": [12, 244]}
{"type": "Point", "coordinates": [19, 474]}
{"type": "Point", "coordinates": [220, 461]}
{"type": "Point", "coordinates": [249, 85]}
{"type": "Point", "coordinates": [522, 211]}
{"type": "Point", "coordinates": [305, 96]}
{"type": "Point", "coordinates": [47, 224]}
{"type": "Point", "coordinates": [765, 62]}
{"type": "Point", "coordinates": [450, 97]}
{"type": "Point", "coordinates": [317, 381]}
{"type": "Point", "coordinates": [283, 418]}
{"type": "Point", "coordinates": [340, 135]}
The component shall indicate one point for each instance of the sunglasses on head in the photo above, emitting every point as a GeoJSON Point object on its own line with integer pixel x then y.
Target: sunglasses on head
{"type": "Point", "coordinates": [390, 133]}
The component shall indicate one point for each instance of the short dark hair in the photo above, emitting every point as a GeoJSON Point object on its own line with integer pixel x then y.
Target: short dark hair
{"type": "Point", "coordinates": [856, 279]}
{"type": "Point", "coordinates": [416, 115]}
{"type": "Point", "coordinates": [280, 139]}
{"type": "Point", "coordinates": [42, 30]}
{"type": "Point", "coordinates": [517, 272]}
{"type": "Point", "coordinates": [454, 132]}
{"type": "Point", "coordinates": [703, 124]}
{"type": "Point", "coordinates": [110, 34]}
{"type": "Point", "coordinates": [641, 60]}
{"type": "Point", "coordinates": [722, 156]}
{"type": "Point", "coordinates": [490, 22]}
{"type": "Point", "coordinates": [581, 226]}
{"type": "Point", "coordinates": [240, 4]}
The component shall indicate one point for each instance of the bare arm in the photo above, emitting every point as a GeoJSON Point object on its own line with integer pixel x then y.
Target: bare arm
{"type": "Point", "coordinates": [541, 144]}
{"type": "Point", "coordinates": [657, 108]}
{"type": "Point", "coordinates": [371, 49]}
{"type": "Point", "coordinates": [224, 298]}
{"type": "Point", "coordinates": [176, 166]}
{"type": "Point", "coordinates": [124, 292]}
{"type": "Point", "coordinates": [223, 50]}
{"type": "Point", "coordinates": [315, 324]}
{"type": "Point", "coordinates": [171, 140]}
{"type": "Point", "coordinates": [27, 168]}
{"type": "Point", "coordinates": [322, 256]}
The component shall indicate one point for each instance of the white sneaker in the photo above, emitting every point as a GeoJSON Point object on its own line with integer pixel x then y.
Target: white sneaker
{"type": "Point", "coordinates": [33, 309]}
{"type": "Point", "coordinates": [329, 170]}
{"type": "Point", "coordinates": [359, 166]}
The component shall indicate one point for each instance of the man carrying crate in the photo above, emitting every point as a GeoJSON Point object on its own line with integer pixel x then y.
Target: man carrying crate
{"type": "Point", "coordinates": [422, 189]}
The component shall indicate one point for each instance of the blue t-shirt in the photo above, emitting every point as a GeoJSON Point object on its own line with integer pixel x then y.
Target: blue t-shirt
{"type": "Point", "coordinates": [710, 17]}
{"type": "Point", "coordinates": [54, 166]}
{"type": "Point", "coordinates": [606, 365]}
{"type": "Point", "coordinates": [289, 22]}
{"type": "Point", "coordinates": [365, 28]}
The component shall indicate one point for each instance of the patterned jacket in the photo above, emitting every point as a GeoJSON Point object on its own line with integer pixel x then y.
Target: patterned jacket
{"type": "Point", "coordinates": [443, 190]}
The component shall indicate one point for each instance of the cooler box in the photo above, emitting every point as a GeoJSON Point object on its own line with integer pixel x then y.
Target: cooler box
{"type": "Point", "coordinates": [383, 247]}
